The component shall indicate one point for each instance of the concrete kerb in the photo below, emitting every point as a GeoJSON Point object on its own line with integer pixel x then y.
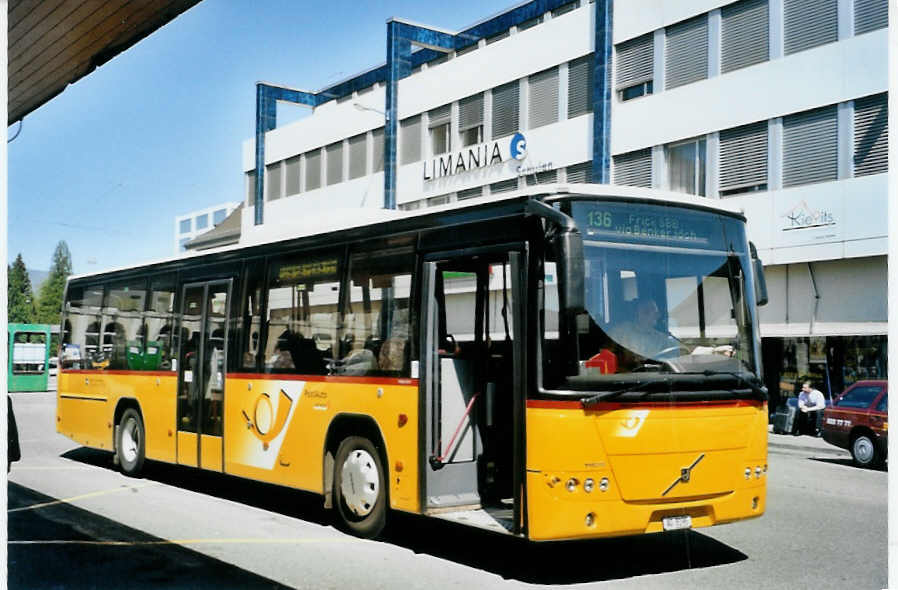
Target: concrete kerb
{"type": "Point", "coordinates": [803, 443]}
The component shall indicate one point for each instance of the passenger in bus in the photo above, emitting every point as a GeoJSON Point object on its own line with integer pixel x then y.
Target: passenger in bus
{"type": "Point", "coordinates": [304, 356]}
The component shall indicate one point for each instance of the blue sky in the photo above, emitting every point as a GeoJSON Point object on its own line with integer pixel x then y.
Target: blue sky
{"type": "Point", "coordinates": [157, 131]}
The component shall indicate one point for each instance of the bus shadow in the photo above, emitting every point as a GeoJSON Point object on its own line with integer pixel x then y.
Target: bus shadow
{"type": "Point", "coordinates": [561, 562]}
{"type": "Point", "coordinates": [63, 546]}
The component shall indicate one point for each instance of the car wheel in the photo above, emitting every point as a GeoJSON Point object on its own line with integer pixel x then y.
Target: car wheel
{"type": "Point", "coordinates": [360, 487]}
{"type": "Point", "coordinates": [130, 443]}
{"type": "Point", "coordinates": [864, 451]}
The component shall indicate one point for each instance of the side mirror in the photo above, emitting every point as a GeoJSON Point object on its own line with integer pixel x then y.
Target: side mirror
{"type": "Point", "coordinates": [761, 297]}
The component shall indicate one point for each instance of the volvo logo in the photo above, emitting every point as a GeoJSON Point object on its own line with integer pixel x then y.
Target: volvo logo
{"type": "Point", "coordinates": [685, 475]}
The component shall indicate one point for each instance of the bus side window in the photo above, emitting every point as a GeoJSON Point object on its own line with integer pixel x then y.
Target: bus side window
{"type": "Point", "coordinates": [375, 338]}
{"type": "Point", "coordinates": [251, 320]}
{"type": "Point", "coordinates": [81, 350]}
{"type": "Point", "coordinates": [124, 333]}
{"type": "Point", "coordinates": [161, 340]}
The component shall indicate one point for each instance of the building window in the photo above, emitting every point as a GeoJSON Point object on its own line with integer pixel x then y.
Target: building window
{"type": "Point", "coordinates": [871, 135]}
{"type": "Point", "coordinates": [470, 120]}
{"type": "Point", "coordinates": [529, 23]}
{"type": "Point", "coordinates": [870, 15]}
{"type": "Point", "coordinates": [504, 186]}
{"type": "Point", "coordinates": [579, 173]}
{"type": "Point", "coordinates": [809, 23]}
{"type": "Point", "coordinates": [184, 226]}
{"type": "Point", "coordinates": [410, 130]}
{"type": "Point", "coordinates": [565, 8]}
{"type": "Point", "coordinates": [634, 168]}
{"type": "Point", "coordinates": [686, 58]}
{"type": "Point", "coordinates": [251, 188]}
{"type": "Point", "coordinates": [313, 170]}
{"type": "Point", "coordinates": [471, 193]}
{"type": "Point", "coordinates": [438, 128]}
{"type": "Point", "coordinates": [547, 177]}
{"type": "Point", "coordinates": [686, 167]}
{"type": "Point", "coordinates": [292, 171]}
{"type": "Point", "coordinates": [440, 200]}
{"type": "Point", "coordinates": [219, 216]}
{"type": "Point", "coordinates": [810, 147]}
{"type": "Point", "coordinates": [334, 163]}
{"type": "Point", "coordinates": [182, 243]}
{"type": "Point", "coordinates": [358, 152]}
{"type": "Point", "coordinates": [377, 150]}
{"type": "Point", "coordinates": [202, 221]}
{"type": "Point", "coordinates": [635, 67]}
{"type": "Point", "coordinates": [743, 159]}
{"type": "Point", "coordinates": [273, 180]}
{"type": "Point", "coordinates": [745, 33]}
{"type": "Point", "coordinates": [506, 107]}
{"type": "Point", "coordinates": [543, 98]}
{"type": "Point", "coordinates": [410, 206]}
{"type": "Point", "coordinates": [579, 86]}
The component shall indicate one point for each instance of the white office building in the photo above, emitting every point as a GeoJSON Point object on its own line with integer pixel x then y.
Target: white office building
{"type": "Point", "coordinates": [196, 223]}
{"type": "Point", "coordinates": [777, 106]}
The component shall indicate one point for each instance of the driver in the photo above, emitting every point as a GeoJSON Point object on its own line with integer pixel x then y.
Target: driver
{"type": "Point", "coordinates": [642, 336]}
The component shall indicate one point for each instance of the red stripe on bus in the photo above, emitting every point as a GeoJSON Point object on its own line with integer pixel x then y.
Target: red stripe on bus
{"type": "Point", "coordinates": [117, 372]}
{"type": "Point", "coordinates": [326, 378]}
{"type": "Point", "coordinates": [578, 405]}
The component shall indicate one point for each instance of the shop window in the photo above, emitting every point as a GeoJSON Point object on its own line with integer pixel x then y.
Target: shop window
{"type": "Point", "coordinates": [302, 314]}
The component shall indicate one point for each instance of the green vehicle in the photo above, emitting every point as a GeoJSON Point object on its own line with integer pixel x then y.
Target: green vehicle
{"type": "Point", "coordinates": [29, 357]}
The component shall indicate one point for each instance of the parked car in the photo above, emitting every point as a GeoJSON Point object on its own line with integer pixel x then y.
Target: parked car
{"type": "Point", "coordinates": [859, 421]}
{"type": "Point", "coordinates": [52, 373]}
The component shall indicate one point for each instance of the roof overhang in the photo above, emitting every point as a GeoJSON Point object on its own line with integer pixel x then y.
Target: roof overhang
{"type": "Point", "coordinates": [53, 43]}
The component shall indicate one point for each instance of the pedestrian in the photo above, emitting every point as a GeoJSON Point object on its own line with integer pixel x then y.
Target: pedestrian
{"type": "Point", "coordinates": [811, 403]}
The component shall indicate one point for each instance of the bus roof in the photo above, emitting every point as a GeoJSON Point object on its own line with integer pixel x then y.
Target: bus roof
{"type": "Point", "coordinates": [333, 220]}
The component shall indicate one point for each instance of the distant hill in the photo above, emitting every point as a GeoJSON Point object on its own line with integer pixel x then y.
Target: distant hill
{"type": "Point", "coordinates": [37, 277]}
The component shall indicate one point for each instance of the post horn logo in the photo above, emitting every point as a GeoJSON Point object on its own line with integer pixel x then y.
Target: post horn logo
{"type": "Point", "coordinates": [264, 424]}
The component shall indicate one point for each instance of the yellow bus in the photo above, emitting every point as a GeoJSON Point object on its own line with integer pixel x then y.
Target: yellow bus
{"type": "Point", "coordinates": [565, 362]}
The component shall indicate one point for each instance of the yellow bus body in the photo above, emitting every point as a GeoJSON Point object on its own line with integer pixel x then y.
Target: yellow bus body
{"type": "Point", "coordinates": [641, 450]}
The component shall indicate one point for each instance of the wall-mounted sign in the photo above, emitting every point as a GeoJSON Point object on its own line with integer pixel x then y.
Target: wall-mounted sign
{"type": "Point", "coordinates": [475, 157]}
{"type": "Point", "coordinates": [803, 216]}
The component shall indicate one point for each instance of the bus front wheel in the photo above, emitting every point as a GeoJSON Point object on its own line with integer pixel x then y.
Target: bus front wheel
{"type": "Point", "coordinates": [130, 443]}
{"type": "Point", "coordinates": [360, 487]}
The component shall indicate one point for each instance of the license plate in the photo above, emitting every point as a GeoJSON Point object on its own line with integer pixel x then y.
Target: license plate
{"type": "Point", "coordinates": [674, 523]}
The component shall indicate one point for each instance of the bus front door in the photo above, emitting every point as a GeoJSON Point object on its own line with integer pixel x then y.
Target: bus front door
{"type": "Point", "coordinates": [471, 370]}
{"type": "Point", "coordinates": [201, 373]}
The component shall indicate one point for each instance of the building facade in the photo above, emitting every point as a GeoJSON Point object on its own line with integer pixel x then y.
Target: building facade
{"type": "Point", "coordinates": [196, 223]}
{"type": "Point", "coordinates": [778, 106]}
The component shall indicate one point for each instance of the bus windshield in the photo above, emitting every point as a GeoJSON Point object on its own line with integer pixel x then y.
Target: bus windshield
{"type": "Point", "coordinates": [667, 291]}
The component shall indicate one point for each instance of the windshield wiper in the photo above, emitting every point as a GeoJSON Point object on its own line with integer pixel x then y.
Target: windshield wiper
{"type": "Point", "coordinates": [759, 390]}
{"type": "Point", "coordinates": [606, 395]}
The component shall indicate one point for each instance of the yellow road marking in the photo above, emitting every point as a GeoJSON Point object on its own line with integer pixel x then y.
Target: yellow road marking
{"type": "Point", "coordinates": [188, 542]}
{"type": "Point", "coordinates": [81, 497]}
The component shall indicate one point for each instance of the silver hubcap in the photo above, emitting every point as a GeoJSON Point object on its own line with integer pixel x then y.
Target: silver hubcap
{"type": "Point", "coordinates": [863, 449]}
{"type": "Point", "coordinates": [130, 440]}
{"type": "Point", "coordinates": [359, 482]}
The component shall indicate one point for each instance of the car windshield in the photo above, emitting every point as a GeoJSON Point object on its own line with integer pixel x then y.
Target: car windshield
{"type": "Point", "coordinates": [666, 292]}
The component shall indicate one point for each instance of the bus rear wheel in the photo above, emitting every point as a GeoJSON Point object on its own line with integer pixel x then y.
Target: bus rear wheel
{"type": "Point", "coordinates": [130, 444]}
{"type": "Point", "coordinates": [360, 487]}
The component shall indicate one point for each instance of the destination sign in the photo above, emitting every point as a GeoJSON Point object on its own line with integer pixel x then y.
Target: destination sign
{"type": "Point", "coordinates": [307, 270]}
{"type": "Point", "coordinates": [635, 222]}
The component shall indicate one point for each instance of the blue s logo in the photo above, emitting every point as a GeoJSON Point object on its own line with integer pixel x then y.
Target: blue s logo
{"type": "Point", "coordinates": [518, 146]}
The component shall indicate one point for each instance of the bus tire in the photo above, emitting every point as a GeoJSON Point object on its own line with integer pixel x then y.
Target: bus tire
{"type": "Point", "coordinates": [130, 442]}
{"type": "Point", "coordinates": [360, 487]}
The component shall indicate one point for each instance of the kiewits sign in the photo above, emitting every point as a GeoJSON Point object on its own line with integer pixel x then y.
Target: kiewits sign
{"type": "Point", "coordinates": [474, 157]}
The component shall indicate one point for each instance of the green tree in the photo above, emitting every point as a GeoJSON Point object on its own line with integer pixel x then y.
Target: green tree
{"type": "Point", "coordinates": [20, 299]}
{"type": "Point", "coordinates": [49, 304]}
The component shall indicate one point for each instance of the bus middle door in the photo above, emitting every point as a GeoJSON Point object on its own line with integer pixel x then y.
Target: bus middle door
{"type": "Point", "coordinates": [201, 374]}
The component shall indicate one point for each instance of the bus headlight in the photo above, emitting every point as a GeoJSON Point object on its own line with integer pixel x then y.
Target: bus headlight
{"type": "Point", "coordinates": [603, 484]}
{"type": "Point", "coordinates": [571, 484]}
{"type": "Point", "coordinates": [589, 484]}
{"type": "Point", "coordinates": [748, 473]}
{"type": "Point", "coordinates": [758, 472]}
